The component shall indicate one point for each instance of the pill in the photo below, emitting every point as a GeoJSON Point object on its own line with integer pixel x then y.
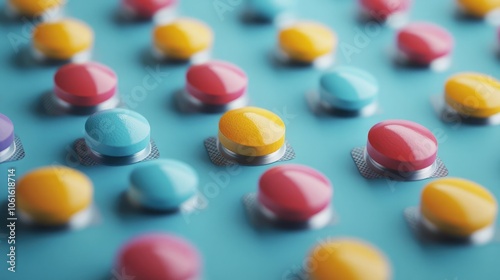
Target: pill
{"type": "Point", "coordinates": [382, 9]}
{"type": "Point", "coordinates": [117, 133]}
{"type": "Point", "coordinates": [7, 146]}
{"type": "Point", "coordinates": [62, 39]}
{"type": "Point", "coordinates": [401, 146]}
{"type": "Point", "coordinates": [163, 184]}
{"type": "Point", "coordinates": [348, 89]}
{"type": "Point", "coordinates": [458, 207]}
{"type": "Point", "coordinates": [216, 83]}
{"type": "Point", "coordinates": [85, 84]}
{"type": "Point", "coordinates": [473, 95]}
{"type": "Point", "coordinates": [270, 9]}
{"type": "Point", "coordinates": [159, 256]}
{"type": "Point", "coordinates": [148, 8]}
{"type": "Point", "coordinates": [294, 193]}
{"type": "Point", "coordinates": [478, 8]}
{"type": "Point", "coordinates": [423, 43]}
{"type": "Point", "coordinates": [251, 132]}
{"type": "Point", "coordinates": [35, 7]}
{"type": "Point", "coordinates": [182, 38]}
{"type": "Point", "coordinates": [307, 41]}
{"type": "Point", "coordinates": [54, 195]}
{"type": "Point", "coordinates": [348, 259]}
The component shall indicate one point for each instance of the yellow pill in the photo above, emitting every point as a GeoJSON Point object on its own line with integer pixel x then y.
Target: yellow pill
{"type": "Point", "coordinates": [473, 94]}
{"type": "Point", "coordinates": [307, 41]}
{"type": "Point", "coordinates": [479, 8]}
{"type": "Point", "coordinates": [251, 131]}
{"type": "Point", "coordinates": [182, 38]}
{"type": "Point", "coordinates": [348, 259]}
{"type": "Point", "coordinates": [35, 7]}
{"type": "Point", "coordinates": [53, 195]}
{"type": "Point", "coordinates": [458, 207]}
{"type": "Point", "coordinates": [62, 39]}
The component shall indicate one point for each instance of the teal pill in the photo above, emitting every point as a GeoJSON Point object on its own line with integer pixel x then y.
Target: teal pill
{"type": "Point", "coordinates": [117, 132]}
{"type": "Point", "coordinates": [348, 88]}
{"type": "Point", "coordinates": [271, 8]}
{"type": "Point", "coordinates": [163, 184]}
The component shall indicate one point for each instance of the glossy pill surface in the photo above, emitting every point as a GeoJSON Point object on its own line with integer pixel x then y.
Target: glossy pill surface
{"type": "Point", "coordinates": [148, 8]}
{"type": "Point", "coordinates": [85, 84]}
{"type": "Point", "coordinates": [117, 132]}
{"type": "Point", "coordinates": [479, 8]}
{"type": "Point", "coordinates": [458, 207]}
{"type": "Point", "coordinates": [381, 9]}
{"type": "Point", "coordinates": [271, 8]}
{"type": "Point", "coordinates": [62, 39]}
{"type": "Point", "coordinates": [402, 145]}
{"type": "Point", "coordinates": [163, 184]}
{"type": "Point", "coordinates": [251, 131]}
{"type": "Point", "coordinates": [53, 195]}
{"type": "Point", "coordinates": [6, 132]}
{"type": "Point", "coordinates": [159, 256]}
{"type": "Point", "coordinates": [35, 7]}
{"type": "Point", "coordinates": [294, 192]}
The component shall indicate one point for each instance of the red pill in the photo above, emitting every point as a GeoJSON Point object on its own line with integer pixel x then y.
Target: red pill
{"type": "Point", "coordinates": [148, 8]}
{"type": "Point", "coordinates": [159, 256]}
{"type": "Point", "coordinates": [294, 192]}
{"type": "Point", "coordinates": [402, 145]}
{"type": "Point", "coordinates": [216, 82]}
{"type": "Point", "coordinates": [382, 9]}
{"type": "Point", "coordinates": [423, 43]}
{"type": "Point", "coordinates": [85, 84]}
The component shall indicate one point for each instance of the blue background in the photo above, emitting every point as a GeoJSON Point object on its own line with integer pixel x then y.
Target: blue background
{"type": "Point", "coordinates": [232, 249]}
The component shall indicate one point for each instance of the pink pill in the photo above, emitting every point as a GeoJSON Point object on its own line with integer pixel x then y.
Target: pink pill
{"type": "Point", "coordinates": [294, 192]}
{"type": "Point", "coordinates": [402, 145]}
{"type": "Point", "coordinates": [216, 82]}
{"type": "Point", "coordinates": [381, 9]}
{"type": "Point", "coordinates": [159, 256]}
{"type": "Point", "coordinates": [424, 42]}
{"type": "Point", "coordinates": [85, 84]}
{"type": "Point", "coordinates": [148, 8]}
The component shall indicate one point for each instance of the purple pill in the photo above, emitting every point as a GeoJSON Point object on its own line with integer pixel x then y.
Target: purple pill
{"type": "Point", "coordinates": [6, 132]}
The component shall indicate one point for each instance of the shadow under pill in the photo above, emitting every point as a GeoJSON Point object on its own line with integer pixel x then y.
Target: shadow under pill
{"type": "Point", "coordinates": [128, 209]}
{"type": "Point", "coordinates": [253, 20]}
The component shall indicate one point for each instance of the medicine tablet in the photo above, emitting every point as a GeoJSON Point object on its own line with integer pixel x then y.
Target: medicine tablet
{"type": "Point", "coordinates": [479, 8]}
{"type": "Point", "coordinates": [294, 193]}
{"type": "Point", "coordinates": [54, 195]}
{"type": "Point", "coordinates": [382, 9]}
{"type": "Point", "coordinates": [6, 137]}
{"type": "Point", "coordinates": [62, 39]}
{"type": "Point", "coordinates": [271, 9]}
{"type": "Point", "coordinates": [458, 207]}
{"type": "Point", "coordinates": [159, 256]}
{"type": "Point", "coordinates": [148, 8]}
{"type": "Point", "coordinates": [35, 7]}
{"type": "Point", "coordinates": [348, 259]}
{"type": "Point", "coordinates": [163, 184]}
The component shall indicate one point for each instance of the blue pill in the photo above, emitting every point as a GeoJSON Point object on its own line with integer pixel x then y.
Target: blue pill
{"type": "Point", "coordinates": [117, 132]}
{"type": "Point", "coordinates": [271, 8]}
{"type": "Point", "coordinates": [348, 88]}
{"type": "Point", "coordinates": [163, 184]}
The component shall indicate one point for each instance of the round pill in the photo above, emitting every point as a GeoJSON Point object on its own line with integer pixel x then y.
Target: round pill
{"type": "Point", "coordinates": [35, 7]}
{"type": "Point", "coordinates": [473, 94]}
{"type": "Point", "coordinates": [458, 207]}
{"type": "Point", "coordinates": [159, 256]}
{"type": "Point", "coordinates": [479, 8]}
{"type": "Point", "coordinates": [182, 38]}
{"type": "Point", "coordinates": [307, 41]}
{"type": "Point", "coordinates": [216, 82]}
{"type": "Point", "coordinates": [117, 133]}
{"type": "Point", "coordinates": [53, 195]}
{"type": "Point", "coordinates": [382, 9]}
{"type": "Point", "coordinates": [163, 184]}
{"type": "Point", "coordinates": [6, 132]}
{"type": "Point", "coordinates": [85, 84]}
{"type": "Point", "coordinates": [270, 9]}
{"type": "Point", "coordinates": [348, 259]}
{"type": "Point", "coordinates": [148, 8]}
{"type": "Point", "coordinates": [348, 88]}
{"type": "Point", "coordinates": [423, 42]}
{"type": "Point", "coordinates": [62, 39]}
{"type": "Point", "coordinates": [251, 131]}
{"type": "Point", "coordinates": [402, 145]}
{"type": "Point", "coordinates": [294, 192]}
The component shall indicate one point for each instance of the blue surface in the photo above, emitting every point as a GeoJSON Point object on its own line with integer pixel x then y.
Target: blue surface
{"type": "Point", "coordinates": [231, 247]}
